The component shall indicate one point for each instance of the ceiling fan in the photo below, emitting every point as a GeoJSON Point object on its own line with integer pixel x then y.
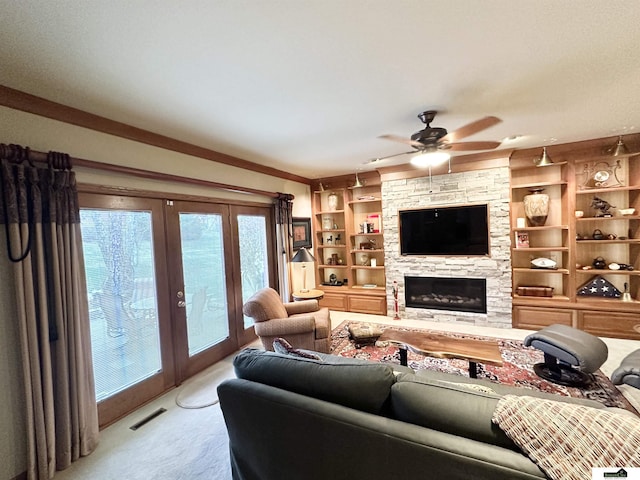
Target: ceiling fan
{"type": "Point", "coordinates": [434, 139]}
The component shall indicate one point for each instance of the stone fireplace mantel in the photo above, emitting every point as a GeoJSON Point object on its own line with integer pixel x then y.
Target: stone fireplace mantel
{"type": "Point", "coordinates": [490, 186]}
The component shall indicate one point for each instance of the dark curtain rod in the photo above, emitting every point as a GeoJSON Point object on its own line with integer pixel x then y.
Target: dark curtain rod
{"type": "Point", "coordinates": [18, 153]}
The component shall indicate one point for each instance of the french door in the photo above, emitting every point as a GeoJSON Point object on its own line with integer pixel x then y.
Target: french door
{"type": "Point", "coordinates": [166, 282]}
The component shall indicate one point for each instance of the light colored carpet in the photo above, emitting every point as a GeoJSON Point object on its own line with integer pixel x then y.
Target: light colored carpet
{"type": "Point", "coordinates": [188, 443]}
{"type": "Point", "coordinates": [200, 391]}
{"type": "Point", "coordinates": [180, 444]}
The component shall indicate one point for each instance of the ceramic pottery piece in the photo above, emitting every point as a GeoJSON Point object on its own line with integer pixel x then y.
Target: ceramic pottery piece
{"type": "Point", "coordinates": [599, 263]}
{"type": "Point", "coordinates": [536, 207]}
{"type": "Point", "coordinates": [544, 263]}
{"type": "Point", "coordinates": [332, 200]}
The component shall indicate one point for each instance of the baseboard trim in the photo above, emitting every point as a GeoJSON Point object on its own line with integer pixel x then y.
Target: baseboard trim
{"type": "Point", "coordinates": [21, 476]}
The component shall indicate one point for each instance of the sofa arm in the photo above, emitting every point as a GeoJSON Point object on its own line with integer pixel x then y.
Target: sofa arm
{"type": "Point", "coordinates": [277, 327]}
{"type": "Point", "coordinates": [303, 306]}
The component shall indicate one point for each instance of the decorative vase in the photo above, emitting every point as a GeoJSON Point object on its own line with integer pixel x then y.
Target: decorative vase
{"type": "Point", "coordinates": [536, 207]}
{"type": "Point", "coordinates": [332, 200]}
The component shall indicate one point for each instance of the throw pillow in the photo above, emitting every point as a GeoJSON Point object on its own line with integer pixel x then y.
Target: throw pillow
{"type": "Point", "coordinates": [476, 387]}
{"type": "Point", "coordinates": [567, 440]}
{"type": "Point", "coordinates": [280, 345]}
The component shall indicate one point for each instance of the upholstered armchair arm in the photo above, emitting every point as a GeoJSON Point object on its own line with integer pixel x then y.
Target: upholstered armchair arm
{"type": "Point", "coordinates": [277, 327]}
{"type": "Point", "coordinates": [304, 306]}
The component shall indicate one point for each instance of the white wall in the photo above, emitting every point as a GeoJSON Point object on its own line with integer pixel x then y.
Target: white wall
{"type": "Point", "coordinates": [43, 134]}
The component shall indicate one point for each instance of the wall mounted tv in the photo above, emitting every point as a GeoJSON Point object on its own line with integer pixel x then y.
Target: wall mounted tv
{"type": "Point", "coordinates": [456, 230]}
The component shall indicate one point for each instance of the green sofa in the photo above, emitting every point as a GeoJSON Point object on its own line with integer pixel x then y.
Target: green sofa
{"type": "Point", "coordinates": [297, 418]}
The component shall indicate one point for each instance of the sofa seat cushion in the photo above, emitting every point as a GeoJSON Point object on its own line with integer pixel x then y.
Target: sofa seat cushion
{"type": "Point", "coordinates": [465, 410]}
{"type": "Point", "coordinates": [568, 440]}
{"type": "Point", "coordinates": [364, 386]}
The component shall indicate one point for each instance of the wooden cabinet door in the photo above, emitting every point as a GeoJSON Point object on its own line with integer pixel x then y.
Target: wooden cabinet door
{"type": "Point", "coordinates": [610, 324]}
{"type": "Point", "coordinates": [368, 304]}
{"type": "Point", "coordinates": [334, 301]}
{"type": "Point", "coordinates": [535, 318]}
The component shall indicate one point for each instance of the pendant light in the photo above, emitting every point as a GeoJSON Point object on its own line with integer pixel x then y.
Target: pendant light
{"type": "Point", "coordinates": [620, 148]}
{"type": "Point", "coordinates": [545, 159]}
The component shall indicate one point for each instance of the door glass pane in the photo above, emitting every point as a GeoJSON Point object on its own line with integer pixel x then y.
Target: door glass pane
{"type": "Point", "coordinates": [204, 280]}
{"type": "Point", "coordinates": [254, 266]}
{"type": "Point", "coordinates": [125, 340]}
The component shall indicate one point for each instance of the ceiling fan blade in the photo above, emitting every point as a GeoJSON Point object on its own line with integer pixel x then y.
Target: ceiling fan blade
{"type": "Point", "coordinates": [407, 141]}
{"type": "Point", "coordinates": [470, 128]}
{"type": "Point", "coordinates": [380, 159]}
{"type": "Point", "coordinates": [461, 146]}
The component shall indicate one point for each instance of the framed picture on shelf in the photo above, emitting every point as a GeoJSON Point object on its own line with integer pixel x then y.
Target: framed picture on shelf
{"type": "Point", "coordinates": [522, 240]}
{"type": "Point", "coordinates": [301, 233]}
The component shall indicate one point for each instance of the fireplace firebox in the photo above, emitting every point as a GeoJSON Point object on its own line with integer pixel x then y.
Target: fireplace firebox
{"type": "Point", "coordinates": [446, 293]}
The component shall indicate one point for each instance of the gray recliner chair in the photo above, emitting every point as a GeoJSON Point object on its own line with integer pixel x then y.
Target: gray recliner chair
{"type": "Point", "coordinates": [629, 371]}
{"type": "Point", "coordinates": [570, 355]}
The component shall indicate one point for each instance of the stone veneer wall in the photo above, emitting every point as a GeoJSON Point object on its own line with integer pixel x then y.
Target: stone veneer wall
{"type": "Point", "coordinates": [490, 186]}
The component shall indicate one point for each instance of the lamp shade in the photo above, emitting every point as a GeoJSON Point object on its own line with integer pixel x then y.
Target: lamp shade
{"type": "Point", "coordinates": [303, 256]}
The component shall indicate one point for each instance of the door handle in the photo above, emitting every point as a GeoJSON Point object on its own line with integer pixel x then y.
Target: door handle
{"type": "Point", "coordinates": [182, 303]}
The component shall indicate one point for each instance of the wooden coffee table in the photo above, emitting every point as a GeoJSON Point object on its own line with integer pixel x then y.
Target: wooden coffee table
{"type": "Point", "coordinates": [444, 346]}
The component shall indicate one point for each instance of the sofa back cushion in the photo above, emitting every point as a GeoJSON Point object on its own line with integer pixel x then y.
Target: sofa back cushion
{"type": "Point", "coordinates": [264, 305]}
{"type": "Point", "coordinates": [465, 410]}
{"type": "Point", "coordinates": [364, 386]}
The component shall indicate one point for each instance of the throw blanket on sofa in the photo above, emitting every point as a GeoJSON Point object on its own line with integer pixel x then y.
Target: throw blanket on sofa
{"type": "Point", "coordinates": [567, 440]}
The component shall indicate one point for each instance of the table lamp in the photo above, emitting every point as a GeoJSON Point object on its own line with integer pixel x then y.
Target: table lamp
{"type": "Point", "coordinates": [303, 256]}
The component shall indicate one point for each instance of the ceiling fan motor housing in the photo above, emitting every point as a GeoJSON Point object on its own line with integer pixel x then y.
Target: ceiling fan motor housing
{"type": "Point", "coordinates": [429, 135]}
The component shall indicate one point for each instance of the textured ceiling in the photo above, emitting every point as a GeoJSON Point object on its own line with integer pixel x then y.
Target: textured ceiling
{"type": "Point", "coordinates": [307, 86]}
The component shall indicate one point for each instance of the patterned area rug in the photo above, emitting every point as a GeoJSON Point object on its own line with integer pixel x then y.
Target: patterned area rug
{"type": "Point", "coordinates": [516, 371]}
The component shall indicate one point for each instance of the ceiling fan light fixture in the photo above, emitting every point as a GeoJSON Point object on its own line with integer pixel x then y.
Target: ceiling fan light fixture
{"type": "Point", "coordinates": [430, 159]}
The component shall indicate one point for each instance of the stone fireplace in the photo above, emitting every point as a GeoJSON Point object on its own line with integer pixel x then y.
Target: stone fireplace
{"type": "Point", "coordinates": [489, 186]}
{"type": "Point", "coordinates": [446, 293]}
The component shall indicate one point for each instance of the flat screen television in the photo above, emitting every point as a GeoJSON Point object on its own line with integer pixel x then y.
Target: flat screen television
{"type": "Point", "coordinates": [458, 230]}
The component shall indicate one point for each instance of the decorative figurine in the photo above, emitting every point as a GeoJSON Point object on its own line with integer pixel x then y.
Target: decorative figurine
{"type": "Point", "coordinates": [603, 206]}
{"type": "Point", "coordinates": [394, 290]}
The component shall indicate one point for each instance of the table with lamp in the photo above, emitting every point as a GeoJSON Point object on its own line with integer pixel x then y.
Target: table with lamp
{"type": "Point", "coordinates": [303, 256]}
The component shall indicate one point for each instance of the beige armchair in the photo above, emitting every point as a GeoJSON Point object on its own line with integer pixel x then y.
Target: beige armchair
{"type": "Point", "coordinates": [303, 324]}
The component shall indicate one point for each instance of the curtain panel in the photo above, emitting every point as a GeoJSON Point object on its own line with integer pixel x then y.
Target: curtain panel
{"type": "Point", "coordinates": [284, 239]}
{"type": "Point", "coordinates": [39, 213]}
